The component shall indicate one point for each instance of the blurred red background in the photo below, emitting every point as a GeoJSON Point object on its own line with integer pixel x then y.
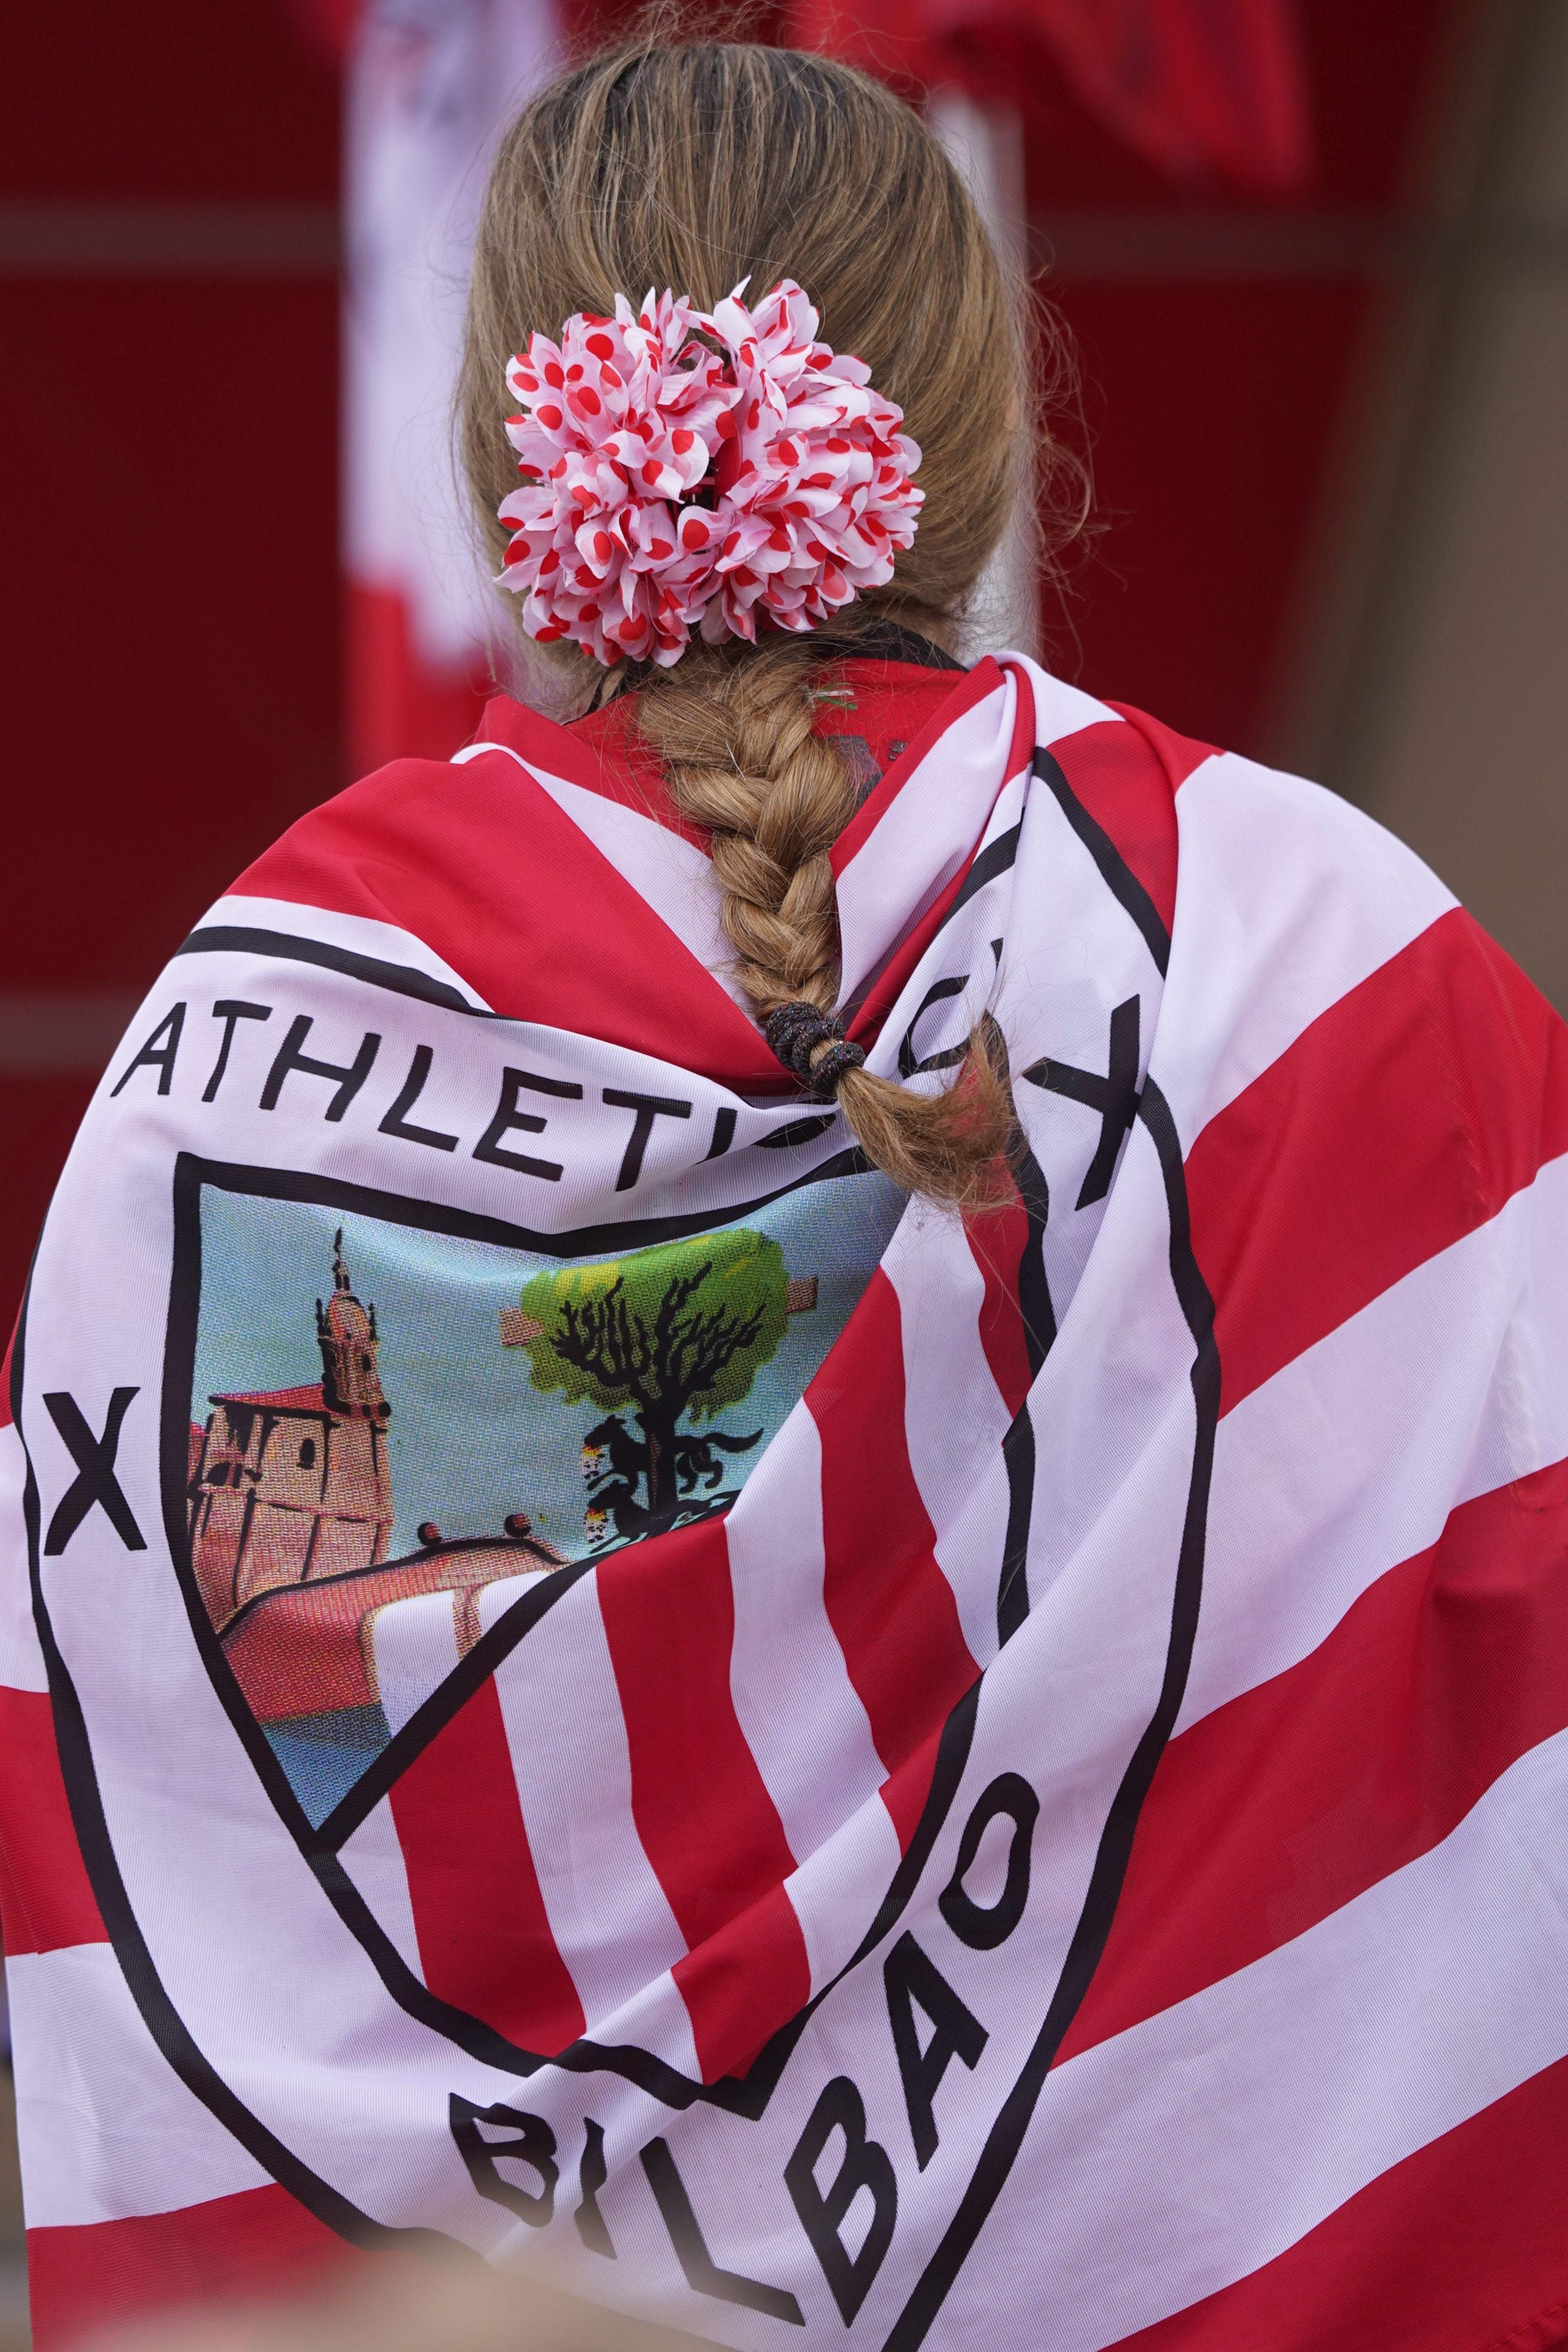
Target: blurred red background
{"type": "Point", "coordinates": [168, 192]}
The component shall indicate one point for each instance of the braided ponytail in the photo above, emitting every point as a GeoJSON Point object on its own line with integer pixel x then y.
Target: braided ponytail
{"type": "Point", "coordinates": [735, 738]}
{"type": "Point", "coordinates": [693, 166]}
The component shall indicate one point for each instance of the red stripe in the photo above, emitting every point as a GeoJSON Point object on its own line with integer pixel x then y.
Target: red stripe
{"type": "Point", "coordinates": [1400, 1120]}
{"type": "Point", "coordinates": [743, 1983]}
{"type": "Point", "coordinates": [6, 1364]}
{"type": "Point", "coordinates": [1462, 2248]}
{"type": "Point", "coordinates": [905, 1790]}
{"type": "Point", "coordinates": [257, 2246]}
{"type": "Point", "coordinates": [888, 705]}
{"type": "Point", "coordinates": [485, 1943]}
{"type": "Point", "coordinates": [984, 679]}
{"type": "Point", "coordinates": [887, 1600]}
{"type": "Point", "coordinates": [702, 1811]}
{"type": "Point", "coordinates": [996, 1243]}
{"type": "Point", "coordinates": [480, 864]}
{"type": "Point", "coordinates": [45, 1902]}
{"type": "Point", "coordinates": [1178, 754]}
{"type": "Point", "coordinates": [1119, 778]}
{"type": "Point", "coordinates": [603, 752]}
{"type": "Point", "coordinates": [1296, 1796]}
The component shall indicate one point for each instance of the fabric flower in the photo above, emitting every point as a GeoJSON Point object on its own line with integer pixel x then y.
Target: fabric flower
{"type": "Point", "coordinates": [683, 471]}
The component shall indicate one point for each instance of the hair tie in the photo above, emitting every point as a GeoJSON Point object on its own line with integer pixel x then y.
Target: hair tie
{"type": "Point", "coordinates": [686, 470]}
{"type": "Point", "coordinates": [796, 1030]}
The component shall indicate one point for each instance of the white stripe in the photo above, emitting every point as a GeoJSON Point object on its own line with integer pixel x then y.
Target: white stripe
{"type": "Point", "coordinates": [387, 942]}
{"type": "Point", "coordinates": [21, 1659]}
{"type": "Point", "coordinates": [609, 1915]}
{"type": "Point", "coordinates": [413, 1645]}
{"type": "Point", "coordinates": [955, 1416]}
{"type": "Point", "coordinates": [107, 2127]}
{"type": "Point", "coordinates": [1053, 996]}
{"type": "Point", "coordinates": [1237, 2120]}
{"type": "Point", "coordinates": [924, 836]}
{"type": "Point", "coordinates": [1060, 710]}
{"type": "Point", "coordinates": [654, 2017]}
{"type": "Point", "coordinates": [373, 1860]}
{"type": "Point", "coordinates": [962, 949]}
{"type": "Point", "coordinates": [1287, 897]}
{"type": "Point", "coordinates": [1350, 1458]}
{"type": "Point", "coordinates": [799, 1713]}
{"type": "Point", "coordinates": [1105, 1407]}
{"type": "Point", "coordinates": [461, 1098]}
{"type": "Point", "coordinates": [667, 872]}
{"type": "Point", "coordinates": [835, 1890]}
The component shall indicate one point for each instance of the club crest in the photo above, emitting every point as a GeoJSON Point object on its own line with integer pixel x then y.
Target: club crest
{"type": "Point", "coordinates": [477, 1422]}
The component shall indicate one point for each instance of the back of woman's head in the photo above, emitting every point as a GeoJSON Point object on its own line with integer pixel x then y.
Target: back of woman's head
{"type": "Point", "coordinates": [691, 168]}
{"type": "Point", "coordinates": [694, 167]}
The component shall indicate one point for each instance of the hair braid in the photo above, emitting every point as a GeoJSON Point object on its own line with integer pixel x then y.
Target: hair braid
{"type": "Point", "coordinates": [736, 739]}
{"type": "Point", "coordinates": [742, 761]}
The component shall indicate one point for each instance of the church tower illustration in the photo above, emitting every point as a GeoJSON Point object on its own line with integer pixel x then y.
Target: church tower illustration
{"type": "Point", "coordinates": [288, 1486]}
{"type": "Point", "coordinates": [346, 1335]}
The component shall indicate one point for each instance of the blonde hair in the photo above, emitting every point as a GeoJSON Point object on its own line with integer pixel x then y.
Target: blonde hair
{"type": "Point", "coordinates": [693, 167]}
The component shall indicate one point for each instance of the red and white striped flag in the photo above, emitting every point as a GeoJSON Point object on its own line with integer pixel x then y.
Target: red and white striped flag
{"type": "Point", "coordinates": [429, 86]}
{"type": "Point", "coordinates": [583, 1681]}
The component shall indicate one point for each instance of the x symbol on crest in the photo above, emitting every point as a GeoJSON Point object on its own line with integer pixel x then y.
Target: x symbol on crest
{"type": "Point", "coordinates": [1114, 1096]}
{"type": "Point", "coordinates": [95, 1481]}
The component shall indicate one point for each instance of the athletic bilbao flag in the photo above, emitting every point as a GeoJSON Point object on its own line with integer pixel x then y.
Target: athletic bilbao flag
{"type": "Point", "coordinates": [429, 85]}
{"type": "Point", "coordinates": [585, 1683]}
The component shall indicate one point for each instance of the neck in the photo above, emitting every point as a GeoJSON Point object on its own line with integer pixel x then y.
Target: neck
{"type": "Point", "coordinates": [922, 641]}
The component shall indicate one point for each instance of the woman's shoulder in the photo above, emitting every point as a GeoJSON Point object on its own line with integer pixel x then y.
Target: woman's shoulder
{"type": "Point", "coordinates": [1268, 848]}
{"type": "Point", "coordinates": [489, 860]}
{"type": "Point", "coordinates": [527, 873]}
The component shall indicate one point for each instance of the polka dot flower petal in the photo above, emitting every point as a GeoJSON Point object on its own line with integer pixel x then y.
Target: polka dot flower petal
{"type": "Point", "coordinates": [684, 471]}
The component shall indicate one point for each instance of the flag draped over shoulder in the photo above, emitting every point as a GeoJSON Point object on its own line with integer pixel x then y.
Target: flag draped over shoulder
{"type": "Point", "coordinates": [584, 1681]}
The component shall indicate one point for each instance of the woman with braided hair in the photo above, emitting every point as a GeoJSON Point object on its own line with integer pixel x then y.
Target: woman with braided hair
{"type": "Point", "coordinates": [902, 1683]}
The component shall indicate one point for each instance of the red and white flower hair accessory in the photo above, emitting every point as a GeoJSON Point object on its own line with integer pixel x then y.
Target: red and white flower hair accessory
{"type": "Point", "coordinates": [686, 470]}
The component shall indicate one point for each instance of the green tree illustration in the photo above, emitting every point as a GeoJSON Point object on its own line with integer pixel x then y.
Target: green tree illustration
{"type": "Point", "coordinates": [681, 1328]}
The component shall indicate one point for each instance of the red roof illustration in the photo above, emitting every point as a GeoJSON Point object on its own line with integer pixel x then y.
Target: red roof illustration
{"type": "Point", "coordinates": [308, 1398]}
{"type": "Point", "coordinates": [300, 1649]}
